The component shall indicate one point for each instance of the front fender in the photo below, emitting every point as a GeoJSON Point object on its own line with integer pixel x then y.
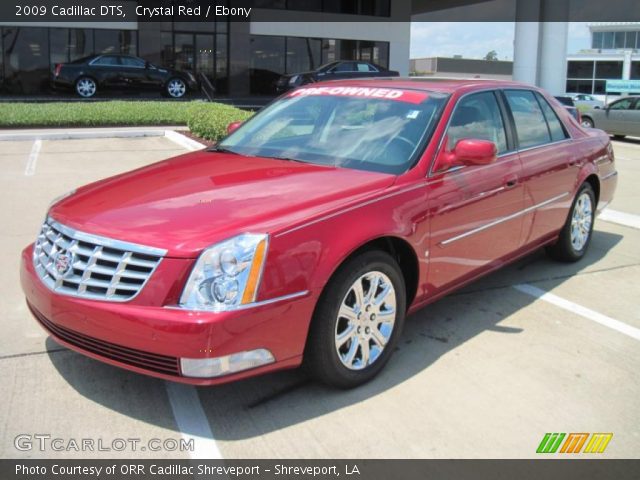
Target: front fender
{"type": "Point", "coordinates": [305, 257]}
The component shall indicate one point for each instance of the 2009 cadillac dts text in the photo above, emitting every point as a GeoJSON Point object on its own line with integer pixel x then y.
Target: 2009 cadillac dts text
{"type": "Point", "coordinates": [310, 232]}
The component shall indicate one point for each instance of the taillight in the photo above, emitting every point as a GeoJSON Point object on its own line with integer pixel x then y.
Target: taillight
{"type": "Point", "coordinates": [58, 69]}
{"type": "Point", "coordinates": [579, 117]}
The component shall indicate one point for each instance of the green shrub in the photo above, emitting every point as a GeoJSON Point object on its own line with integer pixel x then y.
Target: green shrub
{"type": "Point", "coordinates": [210, 120]}
{"type": "Point", "coordinates": [93, 114]}
{"type": "Point", "coordinates": [206, 120]}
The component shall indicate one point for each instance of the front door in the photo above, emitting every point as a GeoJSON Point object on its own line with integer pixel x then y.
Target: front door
{"type": "Point", "coordinates": [476, 210]}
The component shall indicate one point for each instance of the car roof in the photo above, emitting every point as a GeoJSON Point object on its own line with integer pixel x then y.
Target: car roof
{"type": "Point", "coordinates": [445, 85]}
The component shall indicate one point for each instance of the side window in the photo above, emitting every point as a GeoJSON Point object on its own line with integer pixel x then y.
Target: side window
{"type": "Point", "coordinates": [555, 126]}
{"type": "Point", "coordinates": [624, 104]}
{"type": "Point", "coordinates": [365, 67]}
{"type": "Point", "coordinates": [531, 125]}
{"type": "Point", "coordinates": [478, 116]}
{"type": "Point", "coordinates": [133, 62]}
{"type": "Point", "coordinates": [344, 67]}
{"type": "Point", "coordinates": [107, 60]}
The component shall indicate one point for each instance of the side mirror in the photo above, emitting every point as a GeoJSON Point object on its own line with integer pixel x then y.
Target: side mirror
{"type": "Point", "coordinates": [471, 151]}
{"type": "Point", "coordinates": [233, 126]}
{"type": "Point", "coordinates": [467, 151]}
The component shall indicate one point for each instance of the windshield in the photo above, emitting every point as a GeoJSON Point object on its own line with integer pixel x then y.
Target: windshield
{"type": "Point", "coordinates": [383, 131]}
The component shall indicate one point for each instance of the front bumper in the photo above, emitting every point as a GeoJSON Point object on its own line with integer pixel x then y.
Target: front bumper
{"type": "Point", "coordinates": [150, 339]}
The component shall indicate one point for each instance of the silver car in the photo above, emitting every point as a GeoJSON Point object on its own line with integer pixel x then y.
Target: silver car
{"type": "Point", "coordinates": [585, 101]}
{"type": "Point", "coordinates": [619, 118]}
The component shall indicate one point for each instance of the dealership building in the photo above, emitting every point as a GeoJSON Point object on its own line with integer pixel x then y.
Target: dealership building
{"type": "Point", "coordinates": [239, 58]}
{"type": "Point", "coordinates": [614, 55]}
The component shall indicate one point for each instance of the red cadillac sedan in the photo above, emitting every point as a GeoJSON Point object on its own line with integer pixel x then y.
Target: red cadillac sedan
{"type": "Point", "coordinates": [311, 231]}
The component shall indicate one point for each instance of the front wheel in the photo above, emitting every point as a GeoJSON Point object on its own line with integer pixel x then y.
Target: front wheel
{"type": "Point", "coordinates": [586, 122]}
{"type": "Point", "coordinates": [176, 88]}
{"type": "Point", "coordinates": [575, 236]}
{"type": "Point", "coordinates": [357, 321]}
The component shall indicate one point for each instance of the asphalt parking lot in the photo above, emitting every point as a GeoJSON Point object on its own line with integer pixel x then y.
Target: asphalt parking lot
{"type": "Point", "coordinates": [483, 373]}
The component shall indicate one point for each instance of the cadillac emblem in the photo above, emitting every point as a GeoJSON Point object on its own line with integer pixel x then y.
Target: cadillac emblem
{"type": "Point", "coordinates": [63, 263]}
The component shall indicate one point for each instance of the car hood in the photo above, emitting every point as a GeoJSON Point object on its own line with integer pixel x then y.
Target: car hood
{"type": "Point", "coordinates": [189, 202]}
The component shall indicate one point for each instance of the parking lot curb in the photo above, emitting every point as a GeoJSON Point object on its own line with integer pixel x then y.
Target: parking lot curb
{"type": "Point", "coordinates": [86, 134]}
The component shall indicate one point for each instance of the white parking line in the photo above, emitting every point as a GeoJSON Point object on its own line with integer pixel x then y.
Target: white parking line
{"type": "Point", "coordinates": [192, 421]}
{"type": "Point", "coordinates": [621, 218]}
{"type": "Point", "coordinates": [30, 169]}
{"type": "Point", "coordinates": [184, 141]}
{"type": "Point", "coordinates": [580, 310]}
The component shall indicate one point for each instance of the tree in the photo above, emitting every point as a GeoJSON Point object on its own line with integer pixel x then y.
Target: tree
{"type": "Point", "coordinates": [491, 56]}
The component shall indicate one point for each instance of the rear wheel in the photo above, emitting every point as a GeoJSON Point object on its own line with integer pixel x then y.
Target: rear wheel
{"type": "Point", "coordinates": [575, 236]}
{"type": "Point", "coordinates": [86, 87]}
{"type": "Point", "coordinates": [176, 88]}
{"type": "Point", "coordinates": [357, 321]}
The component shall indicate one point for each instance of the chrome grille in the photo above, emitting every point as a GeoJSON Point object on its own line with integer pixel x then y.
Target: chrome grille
{"type": "Point", "coordinates": [75, 263]}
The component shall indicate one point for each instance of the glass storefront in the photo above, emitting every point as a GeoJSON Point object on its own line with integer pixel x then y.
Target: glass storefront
{"type": "Point", "coordinates": [273, 56]}
{"type": "Point", "coordinates": [29, 54]}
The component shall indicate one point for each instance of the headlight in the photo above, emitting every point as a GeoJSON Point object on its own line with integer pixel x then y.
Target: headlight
{"type": "Point", "coordinates": [226, 275]}
{"type": "Point", "coordinates": [293, 80]}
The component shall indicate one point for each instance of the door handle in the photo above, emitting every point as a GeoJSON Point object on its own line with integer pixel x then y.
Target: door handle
{"type": "Point", "coordinates": [511, 181]}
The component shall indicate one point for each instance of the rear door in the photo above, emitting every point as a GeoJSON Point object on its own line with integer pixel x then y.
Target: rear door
{"type": "Point", "coordinates": [134, 72]}
{"type": "Point", "coordinates": [550, 163]}
{"type": "Point", "coordinates": [107, 69]}
{"type": "Point", "coordinates": [476, 210]}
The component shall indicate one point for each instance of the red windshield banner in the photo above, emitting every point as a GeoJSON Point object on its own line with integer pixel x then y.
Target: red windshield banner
{"type": "Point", "coordinates": [408, 96]}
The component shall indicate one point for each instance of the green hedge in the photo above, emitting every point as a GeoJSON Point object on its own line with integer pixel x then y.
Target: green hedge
{"type": "Point", "coordinates": [211, 123]}
{"type": "Point", "coordinates": [206, 120]}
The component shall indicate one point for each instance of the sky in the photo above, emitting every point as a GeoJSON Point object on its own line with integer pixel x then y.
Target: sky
{"type": "Point", "coordinates": [476, 39]}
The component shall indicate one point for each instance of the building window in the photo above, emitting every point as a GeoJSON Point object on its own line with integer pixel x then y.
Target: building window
{"type": "Point", "coordinates": [116, 41]}
{"type": "Point", "coordinates": [69, 44]}
{"type": "Point", "coordinates": [579, 86]}
{"type": "Point", "coordinates": [303, 54]}
{"type": "Point", "coordinates": [609, 70]}
{"type": "Point", "coordinates": [266, 64]}
{"type": "Point", "coordinates": [596, 40]}
{"type": "Point", "coordinates": [635, 70]}
{"type": "Point", "coordinates": [618, 41]}
{"type": "Point", "coordinates": [26, 59]}
{"type": "Point", "coordinates": [580, 69]}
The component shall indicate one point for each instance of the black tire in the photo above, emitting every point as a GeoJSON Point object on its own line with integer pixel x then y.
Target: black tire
{"type": "Point", "coordinates": [86, 87]}
{"type": "Point", "coordinates": [321, 356]}
{"type": "Point", "coordinates": [564, 249]}
{"type": "Point", "coordinates": [586, 122]}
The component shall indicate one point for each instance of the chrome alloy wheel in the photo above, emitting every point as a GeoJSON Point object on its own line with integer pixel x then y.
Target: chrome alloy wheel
{"type": "Point", "coordinates": [86, 87]}
{"type": "Point", "coordinates": [581, 220]}
{"type": "Point", "coordinates": [176, 88]}
{"type": "Point", "coordinates": [365, 320]}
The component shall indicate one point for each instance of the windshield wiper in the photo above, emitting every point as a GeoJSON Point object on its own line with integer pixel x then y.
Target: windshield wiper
{"type": "Point", "coordinates": [288, 159]}
{"type": "Point", "coordinates": [220, 149]}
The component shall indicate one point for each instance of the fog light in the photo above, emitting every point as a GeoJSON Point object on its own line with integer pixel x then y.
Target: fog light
{"type": "Point", "coordinates": [216, 367]}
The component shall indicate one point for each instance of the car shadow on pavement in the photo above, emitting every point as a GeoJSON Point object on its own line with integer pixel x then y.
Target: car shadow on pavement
{"type": "Point", "coordinates": [272, 402]}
